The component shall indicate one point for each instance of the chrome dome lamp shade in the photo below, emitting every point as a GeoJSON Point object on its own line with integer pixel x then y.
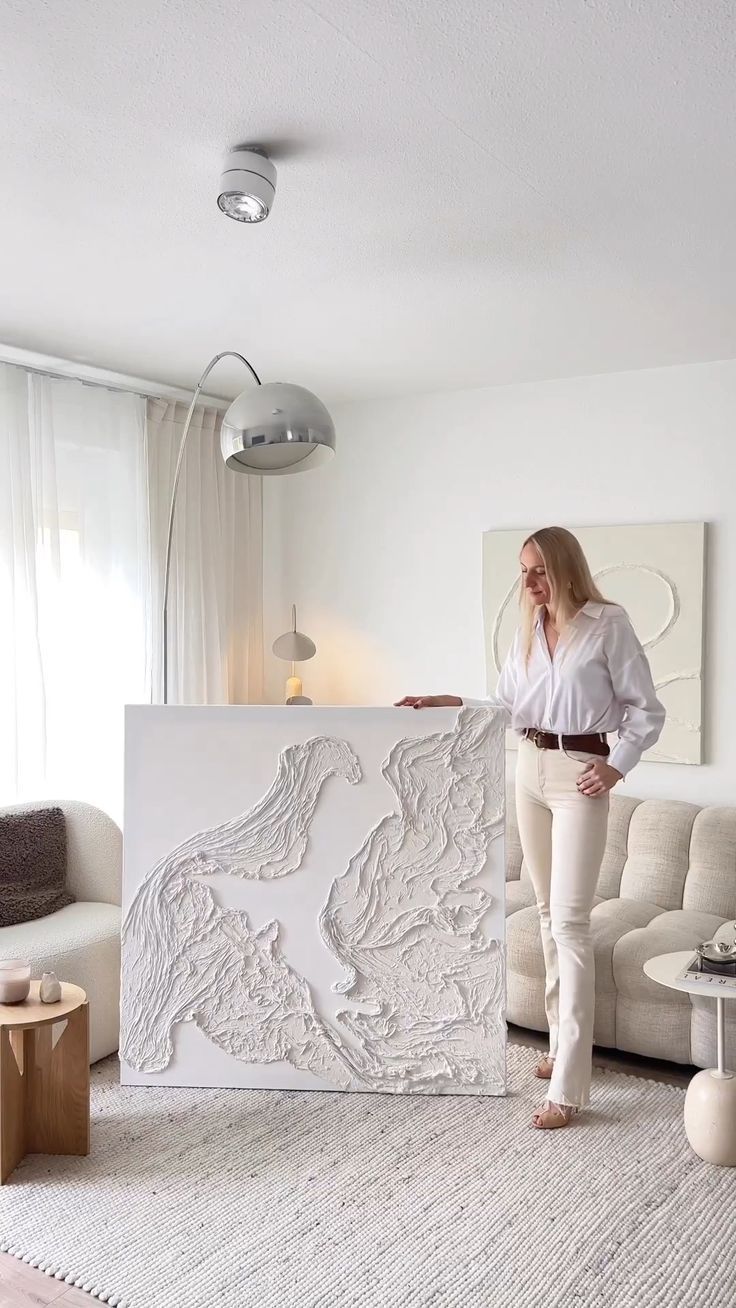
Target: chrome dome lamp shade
{"type": "Point", "coordinates": [276, 428]}
{"type": "Point", "coordinates": [270, 430]}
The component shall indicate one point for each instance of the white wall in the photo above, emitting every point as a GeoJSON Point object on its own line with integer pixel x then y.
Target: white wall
{"type": "Point", "coordinates": [382, 550]}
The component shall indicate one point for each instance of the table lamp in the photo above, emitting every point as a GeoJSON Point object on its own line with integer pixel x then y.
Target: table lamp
{"type": "Point", "coordinates": [294, 647]}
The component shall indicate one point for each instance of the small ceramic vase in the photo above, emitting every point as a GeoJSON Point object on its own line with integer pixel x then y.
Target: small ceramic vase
{"type": "Point", "coordinates": [50, 989]}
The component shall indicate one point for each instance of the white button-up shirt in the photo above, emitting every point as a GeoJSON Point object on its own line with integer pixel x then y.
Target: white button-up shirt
{"type": "Point", "coordinates": [597, 681]}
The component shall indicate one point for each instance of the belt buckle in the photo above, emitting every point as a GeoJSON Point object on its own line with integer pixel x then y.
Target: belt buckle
{"type": "Point", "coordinates": [536, 738]}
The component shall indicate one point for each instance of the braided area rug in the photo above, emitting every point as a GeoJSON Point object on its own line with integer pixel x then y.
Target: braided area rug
{"type": "Point", "coordinates": [274, 1199]}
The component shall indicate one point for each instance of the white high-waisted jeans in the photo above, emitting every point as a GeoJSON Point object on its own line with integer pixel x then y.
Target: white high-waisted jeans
{"type": "Point", "coordinates": [563, 836]}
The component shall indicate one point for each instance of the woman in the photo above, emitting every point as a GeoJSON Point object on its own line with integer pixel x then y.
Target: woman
{"type": "Point", "coordinates": [575, 672]}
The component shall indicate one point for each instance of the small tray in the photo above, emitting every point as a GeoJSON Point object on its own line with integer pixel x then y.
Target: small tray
{"type": "Point", "coordinates": [709, 974]}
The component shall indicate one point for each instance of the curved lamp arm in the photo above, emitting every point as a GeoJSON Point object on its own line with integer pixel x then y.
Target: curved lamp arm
{"type": "Point", "coordinates": [226, 354]}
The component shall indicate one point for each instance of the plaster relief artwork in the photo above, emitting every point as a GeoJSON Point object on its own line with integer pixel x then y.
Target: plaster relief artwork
{"type": "Point", "coordinates": [410, 923]}
{"type": "Point", "coordinates": [405, 918]}
{"type": "Point", "coordinates": [656, 572]}
{"type": "Point", "coordinates": [187, 960]}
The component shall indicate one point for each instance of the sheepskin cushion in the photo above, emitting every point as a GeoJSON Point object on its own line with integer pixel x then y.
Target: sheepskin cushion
{"type": "Point", "coordinates": [32, 865]}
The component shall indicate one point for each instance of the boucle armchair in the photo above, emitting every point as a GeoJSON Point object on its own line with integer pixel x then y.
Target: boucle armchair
{"type": "Point", "coordinates": [81, 942]}
{"type": "Point", "coordinates": [668, 881]}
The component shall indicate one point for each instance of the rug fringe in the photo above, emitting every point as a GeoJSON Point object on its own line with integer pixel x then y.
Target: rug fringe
{"type": "Point", "coordinates": [52, 1269]}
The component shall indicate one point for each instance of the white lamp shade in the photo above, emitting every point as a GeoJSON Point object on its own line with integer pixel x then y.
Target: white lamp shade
{"type": "Point", "coordinates": [275, 429]}
{"type": "Point", "coordinates": [294, 646]}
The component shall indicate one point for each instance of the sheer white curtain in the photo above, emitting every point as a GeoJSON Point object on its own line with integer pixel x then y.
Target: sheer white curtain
{"type": "Point", "coordinates": [85, 484]}
{"type": "Point", "coordinates": [215, 611]}
{"type": "Point", "coordinates": [75, 587]}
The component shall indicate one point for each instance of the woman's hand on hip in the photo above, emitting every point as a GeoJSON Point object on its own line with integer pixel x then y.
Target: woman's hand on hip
{"type": "Point", "coordinates": [598, 778]}
{"type": "Point", "coordinates": [429, 701]}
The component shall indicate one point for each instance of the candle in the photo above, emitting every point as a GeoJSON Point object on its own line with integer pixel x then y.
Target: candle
{"type": "Point", "coordinates": [15, 981]}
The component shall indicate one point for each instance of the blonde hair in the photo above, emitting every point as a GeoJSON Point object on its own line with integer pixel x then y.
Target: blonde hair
{"type": "Point", "coordinates": [570, 581]}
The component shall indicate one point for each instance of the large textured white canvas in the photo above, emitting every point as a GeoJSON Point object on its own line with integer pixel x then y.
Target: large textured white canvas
{"type": "Point", "coordinates": [314, 899]}
{"type": "Point", "coordinates": [656, 571]}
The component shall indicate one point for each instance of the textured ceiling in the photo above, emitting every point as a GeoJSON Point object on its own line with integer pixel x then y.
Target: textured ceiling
{"type": "Point", "coordinates": [469, 193]}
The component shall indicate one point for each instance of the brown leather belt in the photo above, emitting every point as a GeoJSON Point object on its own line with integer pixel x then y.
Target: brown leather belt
{"type": "Point", "coordinates": [583, 744]}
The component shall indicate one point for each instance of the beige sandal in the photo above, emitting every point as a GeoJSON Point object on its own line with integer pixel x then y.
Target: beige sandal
{"type": "Point", "coordinates": [544, 1067]}
{"type": "Point", "coordinates": [552, 1116]}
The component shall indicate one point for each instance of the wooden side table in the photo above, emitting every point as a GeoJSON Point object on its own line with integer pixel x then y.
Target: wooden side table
{"type": "Point", "coordinates": [44, 1077]}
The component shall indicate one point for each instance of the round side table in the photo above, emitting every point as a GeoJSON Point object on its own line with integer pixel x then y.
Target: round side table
{"type": "Point", "coordinates": [710, 1102]}
{"type": "Point", "coordinates": [44, 1077]}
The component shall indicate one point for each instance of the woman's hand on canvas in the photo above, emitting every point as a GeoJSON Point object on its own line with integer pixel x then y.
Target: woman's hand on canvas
{"type": "Point", "coordinates": [598, 778]}
{"type": "Point", "coordinates": [429, 701]}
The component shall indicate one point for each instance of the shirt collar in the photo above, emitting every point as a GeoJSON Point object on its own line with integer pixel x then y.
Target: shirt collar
{"type": "Point", "coordinates": [592, 609]}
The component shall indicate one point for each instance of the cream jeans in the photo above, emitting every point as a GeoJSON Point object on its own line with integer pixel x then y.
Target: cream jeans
{"type": "Point", "coordinates": [563, 836]}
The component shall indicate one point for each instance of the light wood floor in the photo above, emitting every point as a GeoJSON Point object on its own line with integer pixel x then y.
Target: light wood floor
{"type": "Point", "coordinates": [25, 1287]}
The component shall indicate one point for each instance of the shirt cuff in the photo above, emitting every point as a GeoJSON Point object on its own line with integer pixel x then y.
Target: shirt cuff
{"type": "Point", "coordinates": [623, 757]}
{"type": "Point", "coordinates": [477, 703]}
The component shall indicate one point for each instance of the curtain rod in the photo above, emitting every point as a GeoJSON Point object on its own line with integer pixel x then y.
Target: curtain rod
{"type": "Point", "coordinates": [47, 365]}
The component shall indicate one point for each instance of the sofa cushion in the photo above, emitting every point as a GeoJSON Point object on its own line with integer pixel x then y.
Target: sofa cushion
{"type": "Point", "coordinates": [658, 852]}
{"type": "Point", "coordinates": [652, 1019]}
{"type": "Point", "coordinates": [514, 858]}
{"type": "Point", "coordinates": [524, 954]}
{"type": "Point", "coordinates": [710, 885]}
{"type": "Point", "coordinates": [519, 894]}
{"type": "Point", "coordinates": [524, 941]}
{"type": "Point", "coordinates": [614, 859]}
{"type": "Point", "coordinates": [610, 920]}
{"type": "Point", "coordinates": [677, 929]}
{"type": "Point", "coordinates": [32, 865]}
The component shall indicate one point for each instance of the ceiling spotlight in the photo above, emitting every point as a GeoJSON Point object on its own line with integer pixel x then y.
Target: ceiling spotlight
{"type": "Point", "coordinates": [247, 185]}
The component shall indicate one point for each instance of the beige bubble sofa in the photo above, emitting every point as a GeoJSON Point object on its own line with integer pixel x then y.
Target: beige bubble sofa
{"type": "Point", "coordinates": [81, 942]}
{"type": "Point", "coordinates": [668, 881]}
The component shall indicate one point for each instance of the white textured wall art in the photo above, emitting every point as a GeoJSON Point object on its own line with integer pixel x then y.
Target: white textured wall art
{"type": "Point", "coordinates": [314, 898]}
{"type": "Point", "coordinates": [657, 573]}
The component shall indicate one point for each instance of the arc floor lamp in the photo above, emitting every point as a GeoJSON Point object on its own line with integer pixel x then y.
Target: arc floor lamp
{"type": "Point", "coordinates": [270, 430]}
